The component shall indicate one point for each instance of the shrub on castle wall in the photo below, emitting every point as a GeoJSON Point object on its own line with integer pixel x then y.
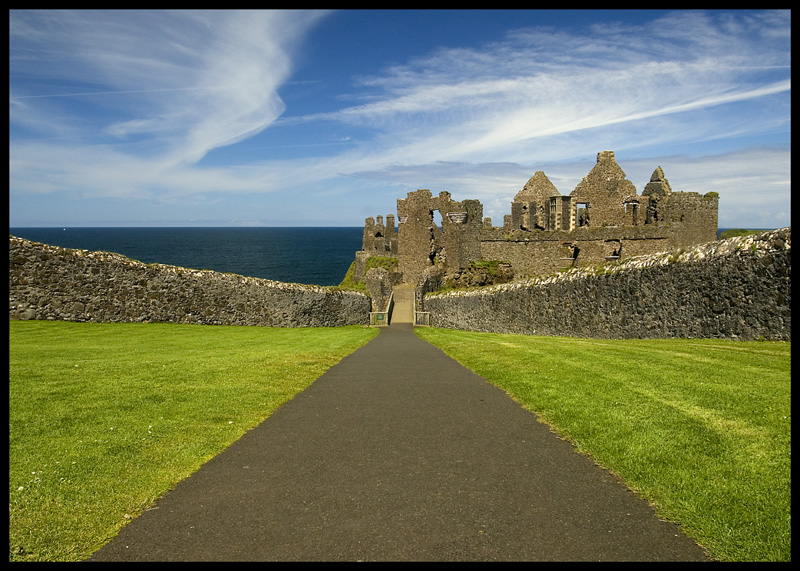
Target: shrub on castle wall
{"type": "Point", "coordinates": [737, 289]}
{"type": "Point", "coordinates": [48, 282]}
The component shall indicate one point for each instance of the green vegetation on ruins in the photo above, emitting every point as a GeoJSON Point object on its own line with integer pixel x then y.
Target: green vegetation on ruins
{"type": "Point", "coordinates": [701, 428]}
{"type": "Point", "coordinates": [105, 418]}
{"type": "Point", "coordinates": [387, 263]}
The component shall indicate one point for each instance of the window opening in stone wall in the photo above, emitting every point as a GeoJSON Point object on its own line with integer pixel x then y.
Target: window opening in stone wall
{"type": "Point", "coordinates": [435, 247]}
{"type": "Point", "coordinates": [613, 249]}
{"type": "Point", "coordinates": [437, 219]}
{"type": "Point", "coordinates": [569, 253]}
{"type": "Point", "coordinates": [582, 214]}
{"type": "Point", "coordinates": [632, 208]}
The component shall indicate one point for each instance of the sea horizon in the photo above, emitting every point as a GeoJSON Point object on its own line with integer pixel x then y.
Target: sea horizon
{"type": "Point", "coordinates": [312, 255]}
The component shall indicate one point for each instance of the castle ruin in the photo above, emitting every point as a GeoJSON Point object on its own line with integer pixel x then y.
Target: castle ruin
{"type": "Point", "coordinates": [602, 219]}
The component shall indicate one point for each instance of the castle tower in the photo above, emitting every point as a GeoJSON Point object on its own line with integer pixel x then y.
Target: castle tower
{"type": "Point", "coordinates": [379, 239]}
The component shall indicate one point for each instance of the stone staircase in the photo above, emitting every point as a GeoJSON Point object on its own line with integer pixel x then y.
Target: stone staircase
{"type": "Point", "coordinates": [403, 311]}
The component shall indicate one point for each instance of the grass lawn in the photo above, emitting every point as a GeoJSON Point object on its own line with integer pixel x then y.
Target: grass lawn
{"type": "Point", "coordinates": [700, 428]}
{"type": "Point", "coordinates": [106, 418]}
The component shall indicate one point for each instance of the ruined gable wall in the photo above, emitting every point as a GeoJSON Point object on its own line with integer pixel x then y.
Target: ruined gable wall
{"type": "Point", "coordinates": [604, 189]}
{"type": "Point", "coordinates": [738, 288]}
{"type": "Point", "coordinates": [530, 208]}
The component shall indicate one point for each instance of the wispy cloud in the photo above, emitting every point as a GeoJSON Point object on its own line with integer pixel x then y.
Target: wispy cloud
{"type": "Point", "coordinates": [503, 100]}
{"type": "Point", "coordinates": [143, 98]}
{"type": "Point", "coordinates": [194, 80]}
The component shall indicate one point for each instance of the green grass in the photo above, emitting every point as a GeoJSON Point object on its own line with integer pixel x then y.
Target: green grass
{"type": "Point", "coordinates": [106, 418]}
{"type": "Point", "coordinates": [699, 428]}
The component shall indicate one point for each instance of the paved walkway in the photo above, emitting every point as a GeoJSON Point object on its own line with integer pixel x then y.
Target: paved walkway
{"type": "Point", "coordinates": [400, 453]}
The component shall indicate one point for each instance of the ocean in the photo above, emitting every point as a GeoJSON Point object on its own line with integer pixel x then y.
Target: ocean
{"type": "Point", "coordinates": [318, 256]}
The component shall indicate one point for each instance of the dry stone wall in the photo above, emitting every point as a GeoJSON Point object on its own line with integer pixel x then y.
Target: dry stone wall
{"type": "Point", "coordinates": [53, 283]}
{"type": "Point", "coordinates": [738, 289]}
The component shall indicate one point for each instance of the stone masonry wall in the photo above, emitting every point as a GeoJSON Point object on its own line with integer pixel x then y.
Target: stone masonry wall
{"type": "Point", "coordinates": [737, 289]}
{"type": "Point", "coordinates": [53, 283]}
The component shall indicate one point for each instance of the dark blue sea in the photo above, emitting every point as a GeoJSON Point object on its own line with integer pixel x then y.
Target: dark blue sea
{"type": "Point", "coordinates": [318, 256]}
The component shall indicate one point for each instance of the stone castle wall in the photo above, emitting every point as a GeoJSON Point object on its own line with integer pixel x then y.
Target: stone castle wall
{"type": "Point", "coordinates": [422, 243]}
{"type": "Point", "coordinates": [603, 217]}
{"type": "Point", "coordinates": [544, 252]}
{"type": "Point", "coordinates": [49, 282]}
{"type": "Point", "coordinates": [738, 288]}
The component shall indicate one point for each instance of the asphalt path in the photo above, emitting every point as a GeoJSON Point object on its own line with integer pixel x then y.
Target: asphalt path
{"type": "Point", "coordinates": [398, 453]}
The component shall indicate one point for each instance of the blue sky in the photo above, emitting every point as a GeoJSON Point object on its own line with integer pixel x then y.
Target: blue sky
{"type": "Point", "coordinates": [306, 118]}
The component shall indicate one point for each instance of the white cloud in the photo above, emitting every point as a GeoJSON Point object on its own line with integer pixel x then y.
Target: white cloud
{"type": "Point", "coordinates": [501, 101]}
{"type": "Point", "coordinates": [165, 88]}
{"type": "Point", "coordinates": [195, 80]}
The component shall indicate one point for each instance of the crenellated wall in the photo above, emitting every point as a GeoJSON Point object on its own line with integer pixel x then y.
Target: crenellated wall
{"type": "Point", "coordinates": [738, 289]}
{"type": "Point", "coordinates": [49, 282]}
